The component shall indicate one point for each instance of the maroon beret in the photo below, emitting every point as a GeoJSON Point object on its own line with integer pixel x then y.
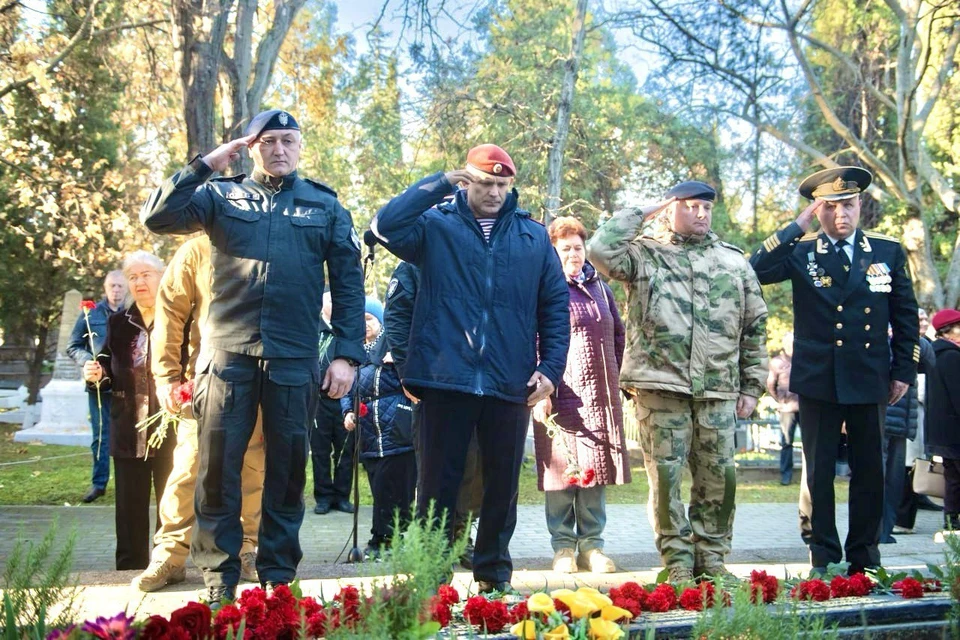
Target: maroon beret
{"type": "Point", "coordinates": [945, 318]}
{"type": "Point", "coordinates": [491, 160]}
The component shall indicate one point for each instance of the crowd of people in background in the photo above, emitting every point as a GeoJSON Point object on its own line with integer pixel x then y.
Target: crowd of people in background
{"type": "Point", "coordinates": [491, 320]}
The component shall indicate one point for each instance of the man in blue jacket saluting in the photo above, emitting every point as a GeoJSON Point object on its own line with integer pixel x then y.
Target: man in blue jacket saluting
{"type": "Point", "coordinates": [491, 287]}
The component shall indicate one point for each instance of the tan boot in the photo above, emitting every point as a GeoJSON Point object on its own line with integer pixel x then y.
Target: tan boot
{"type": "Point", "coordinates": [595, 561]}
{"type": "Point", "coordinates": [159, 574]}
{"type": "Point", "coordinates": [565, 561]}
{"type": "Point", "coordinates": [679, 574]}
{"type": "Point", "coordinates": [248, 567]}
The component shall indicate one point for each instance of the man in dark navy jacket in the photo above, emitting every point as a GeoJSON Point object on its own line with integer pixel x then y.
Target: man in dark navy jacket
{"type": "Point", "coordinates": [848, 285]}
{"type": "Point", "coordinates": [491, 286]}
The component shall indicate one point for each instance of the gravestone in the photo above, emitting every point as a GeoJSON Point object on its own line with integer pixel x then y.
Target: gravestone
{"type": "Point", "coordinates": [64, 412]}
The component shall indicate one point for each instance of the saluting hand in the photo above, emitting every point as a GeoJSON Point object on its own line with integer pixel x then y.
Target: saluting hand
{"type": "Point", "coordinates": [652, 209]}
{"type": "Point", "coordinates": [339, 378]}
{"type": "Point", "coordinates": [221, 157]}
{"type": "Point", "coordinates": [457, 176]}
{"type": "Point", "coordinates": [805, 219]}
{"type": "Point", "coordinates": [897, 389]}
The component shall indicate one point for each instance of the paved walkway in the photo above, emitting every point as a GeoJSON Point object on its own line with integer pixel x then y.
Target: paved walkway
{"type": "Point", "coordinates": [765, 536]}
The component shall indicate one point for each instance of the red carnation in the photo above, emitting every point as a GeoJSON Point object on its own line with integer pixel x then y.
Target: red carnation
{"type": "Point", "coordinates": [87, 306]}
{"type": "Point", "coordinates": [309, 606]}
{"type": "Point", "coordinates": [631, 605]}
{"type": "Point", "coordinates": [840, 587]}
{"type": "Point", "coordinates": [816, 590]}
{"type": "Point", "coordinates": [490, 616]}
{"type": "Point", "coordinates": [663, 598]}
{"type": "Point", "coordinates": [184, 393]}
{"type": "Point", "coordinates": [763, 585]}
{"type": "Point", "coordinates": [860, 585]}
{"type": "Point", "coordinates": [697, 598]}
{"type": "Point", "coordinates": [448, 595]}
{"type": "Point", "coordinates": [909, 588]}
{"type": "Point", "coordinates": [439, 611]}
{"type": "Point", "coordinates": [228, 617]}
{"type": "Point", "coordinates": [194, 618]}
{"type": "Point", "coordinates": [588, 477]}
{"type": "Point", "coordinates": [317, 624]}
{"type": "Point", "coordinates": [561, 607]}
{"type": "Point", "coordinates": [364, 410]}
{"type": "Point", "coordinates": [519, 612]}
{"type": "Point", "coordinates": [573, 481]}
{"type": "Point", "coordinates": [630, 590]}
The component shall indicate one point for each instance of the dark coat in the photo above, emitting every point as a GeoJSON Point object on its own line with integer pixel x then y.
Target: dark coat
{"type": "Point", "coordinates": [269, 250]}
{"type": "Point", "coordinates": [387, 427]}
{"type": "Point", "coordinates": [398, 311]}
{"type": "Point", "coordinates": [481, 304]}
{"type": "Point", "coordinates": [841, 351]}
{"type": "Point", "coordinates": [587, 402]}
{"type": "Point", "coordinates": [942, 404]}
{"type": "Point", "coordinates": [127, 361]}
{"type": "Point", "coordinates": [901, 420]}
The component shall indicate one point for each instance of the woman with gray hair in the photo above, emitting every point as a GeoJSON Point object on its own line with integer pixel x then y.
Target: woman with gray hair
{"type": "Point", "coordinates": [124, 365]}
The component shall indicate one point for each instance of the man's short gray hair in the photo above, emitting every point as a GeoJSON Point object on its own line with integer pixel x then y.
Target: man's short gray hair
{"type": "Point", "coordinates": [141, 257]}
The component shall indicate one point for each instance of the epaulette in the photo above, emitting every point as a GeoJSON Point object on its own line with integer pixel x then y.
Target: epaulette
{"type": "Point", "coordinates": [807, 237]}
{"type": "Point", "coordinates": [523, 213]}
{"type": "Point", "coordinates": [321, 186]}
{"type": "Point", "coordinates": [730, 246]}
{"type": "Point", "coordinates": [880, 236]}
{"type": "Point", "coordinates": [237, 178]}
{"type": "Point", "coordinates": [447, 206]}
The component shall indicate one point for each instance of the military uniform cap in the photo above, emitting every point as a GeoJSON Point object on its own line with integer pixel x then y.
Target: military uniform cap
{"type": "Point", "coordinates": [945, 318]}
{"type": "Point", "coordinates": [270, 120]}
{"type": "Point", "coordinates": [490, 161]}
{"type": "Point", "coordinates": [839, 183]}
{"type": "Point", "coordinates": [692, 190]}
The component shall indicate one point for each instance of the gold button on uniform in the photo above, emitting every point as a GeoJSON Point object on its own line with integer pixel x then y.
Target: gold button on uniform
{"type": "Point", "coordinates": [839, 343]}
{"type": "Point", "coordinates": [839, 325]}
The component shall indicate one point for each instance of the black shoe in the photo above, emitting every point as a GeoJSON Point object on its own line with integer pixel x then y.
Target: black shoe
{"type": "Point", "coordinates": [926, 504]}
{"type": "Point", "coordinates": [343, 505]}
{"type": "Point", "coordinates": [93, 494]}
{"type": "Point", "coordinates": [484, 586]}
{"type": "Point", "coordinates": [466, 558]}
{"type": "Point", "coordinates": [216, 597]}
{"type": "Point", "coordinates": [322, 508]}
{"type": "Point", "coordinates": [270, 586]}
{"type": "Point", "coordinates": [785, 480]}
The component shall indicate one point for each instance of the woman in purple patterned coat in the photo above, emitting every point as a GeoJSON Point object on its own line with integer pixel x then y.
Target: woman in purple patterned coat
{"type": "Point", "coordinates": [582, 449]}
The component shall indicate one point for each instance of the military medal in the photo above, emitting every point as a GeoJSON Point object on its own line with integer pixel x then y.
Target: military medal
{"type": "Point", "coordinates": [878, 278]}
{"type": "Point", "coordinates": [817, 274]}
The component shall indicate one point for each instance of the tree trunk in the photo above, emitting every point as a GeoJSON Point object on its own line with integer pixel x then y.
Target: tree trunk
{"type": "Point", "coordinates": [35, 370]}
{"type": "Point", "coordinates": [555, 159]}
{"type": "Point", "coordinates": [926, 281]}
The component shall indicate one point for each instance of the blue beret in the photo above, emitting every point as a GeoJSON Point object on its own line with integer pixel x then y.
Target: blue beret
{"type": "Point", "coordinates": [269, 120]}
{"type": "Point", "coordinates": [692, 190]}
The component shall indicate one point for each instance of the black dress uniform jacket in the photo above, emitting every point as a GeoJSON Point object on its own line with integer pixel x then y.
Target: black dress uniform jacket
{"type": "Point", "coordinates": [840, 319]}
{"type": "Point", "coordinates": [269, 246]}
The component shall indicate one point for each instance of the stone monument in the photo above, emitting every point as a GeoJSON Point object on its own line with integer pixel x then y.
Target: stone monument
{"type": "Point", "coordinates": [64, 412]}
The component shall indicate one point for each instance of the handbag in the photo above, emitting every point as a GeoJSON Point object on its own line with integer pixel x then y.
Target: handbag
{"type": "Point", "coordinates": [928, 477]}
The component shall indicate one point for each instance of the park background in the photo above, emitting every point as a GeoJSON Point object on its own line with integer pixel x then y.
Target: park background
{"type": "Point", "coordinates": [602, 104]}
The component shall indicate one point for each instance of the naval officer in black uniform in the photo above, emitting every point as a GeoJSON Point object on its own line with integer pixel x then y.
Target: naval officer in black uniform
{"type": "Point", "coordinates": [271, 233]}
{"type": "Point", "coordinates": [848, 286]}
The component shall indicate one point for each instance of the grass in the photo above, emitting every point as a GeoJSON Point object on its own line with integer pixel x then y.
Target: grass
{"type": "Point", "coordinates": [57, 475]}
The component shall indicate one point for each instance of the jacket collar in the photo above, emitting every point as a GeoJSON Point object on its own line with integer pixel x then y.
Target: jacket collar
{"type": "Point", "coordinates": [286, 182]}
{"type": "Point", "coordinates": [662, 233]}
{"type": "Point", "coordinates": [589, 274]}
{"type": "Point", "coordinates": [134, 316]}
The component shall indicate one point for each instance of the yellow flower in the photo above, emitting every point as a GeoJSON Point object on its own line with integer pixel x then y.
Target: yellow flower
{"type": "Point", "coordinates": [580, 605]}
{"type": "Point", "coordinates": [595, 597]}
{"type": "Point", "coordinates": [540, 603]}
{"type": "Point", "coordinates": [601, 629]}
{"type": "Point", "coordinates": [556, 593]}
{"type": "Point", "coordinates": [526, 629]}
{"type": "Point", "coordinates": [560, 633]}
{"type": "Point", "coordinates": [615, 613]}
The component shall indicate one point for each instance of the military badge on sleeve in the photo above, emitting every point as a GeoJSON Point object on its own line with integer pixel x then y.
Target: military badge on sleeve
{"type": "Point", "coordinates": [878, 277]}
{"type": "Point", "coordinates": [392, 287]}
{"type": "Point", "coordinates": [354, 238]}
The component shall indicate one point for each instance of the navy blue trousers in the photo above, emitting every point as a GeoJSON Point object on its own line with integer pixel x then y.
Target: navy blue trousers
{"type": "Point", "coordinates": [228, 394]}
{"type": "Point", "coordinates": [448, 422]}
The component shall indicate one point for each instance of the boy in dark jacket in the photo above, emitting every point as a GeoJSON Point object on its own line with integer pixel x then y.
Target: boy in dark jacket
{"type": "Point", "coordinates": [386, 434]}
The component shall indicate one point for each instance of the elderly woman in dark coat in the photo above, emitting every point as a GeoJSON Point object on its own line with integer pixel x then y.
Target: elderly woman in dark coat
{"type": "Point", "coordinates": [584, 450]}
{"type": "Point", "coordinates": [942, 415]}
{"type": "Point", "coordinates": [124, 365]}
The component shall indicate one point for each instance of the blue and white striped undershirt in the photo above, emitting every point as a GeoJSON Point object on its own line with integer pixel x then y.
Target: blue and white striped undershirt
{"type": "Point", "coordinates": [486, 224]}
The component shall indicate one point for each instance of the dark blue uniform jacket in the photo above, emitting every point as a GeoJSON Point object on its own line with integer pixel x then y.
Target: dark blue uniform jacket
{"type": "Point", "coordinates": [841, 353]}
{"type": "Point", "coordinates": [269, 247]}
{"type": "Point", "coordinates": [481, 305]}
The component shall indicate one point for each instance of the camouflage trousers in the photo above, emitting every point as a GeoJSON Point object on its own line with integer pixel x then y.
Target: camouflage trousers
{"type": "Point", "coordinates": [674, 431]}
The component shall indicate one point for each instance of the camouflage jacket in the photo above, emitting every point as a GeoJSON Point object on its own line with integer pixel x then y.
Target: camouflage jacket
{"type": "Point", "coordinates": [696, 319]}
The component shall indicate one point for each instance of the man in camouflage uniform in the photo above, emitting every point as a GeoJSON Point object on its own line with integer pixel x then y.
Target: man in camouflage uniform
{"type": "Point", "coordinates": [695, 360]}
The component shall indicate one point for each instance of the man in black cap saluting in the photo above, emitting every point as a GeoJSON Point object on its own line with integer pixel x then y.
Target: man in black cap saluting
{"type": "Point", "coordinates": [848, 286]}
{"type": "Point", "coordinates": [271, 235]}
{"type": "Point", "coordinates": [695, 360]}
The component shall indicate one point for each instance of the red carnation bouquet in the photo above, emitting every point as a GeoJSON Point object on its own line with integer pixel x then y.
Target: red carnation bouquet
{"type": "Point", "coordinates": [163, 420]}
{"type": "Point", "coordinates": [574, 474]}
